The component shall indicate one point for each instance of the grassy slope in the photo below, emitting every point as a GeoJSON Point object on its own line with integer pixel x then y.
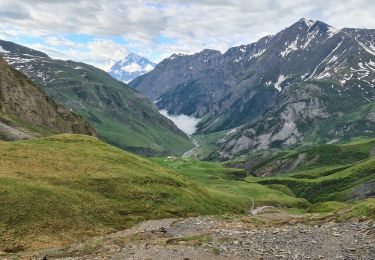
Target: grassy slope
{"type": "Point", "coordinates": [119, 114]}
{"type": "Point", "coordinates": [229, 184]}
{"type": "Point", "coordinates": [332, 171]}
{"type": "Point", "coordinates": [65, 187]}
{"type": "Point", "coordinates": [142, 137]}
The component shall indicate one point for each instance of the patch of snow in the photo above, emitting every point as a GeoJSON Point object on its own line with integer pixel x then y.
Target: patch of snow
{"type": "Point", "coordinates": [237, 60]}
{"type": "Point", "coordinates": [316, 68]}
{"type": "Point", "coordinates": [304, 76]}
{"type": "Point", "coordinates": [332, 31]}
{"type": "Point", "coordinates": [370, 49]}
{"type": "Point", "coordinates": [256, 55]}
{"type": "Point", "coordinates": [333, 59]}
{"type": "Point", "coordinates": [310, 37]}
{"type": "Point", "coordinates": [292, 47]}
{"type": "Point", "coordinates": [308, 22]}
{"type": "Point", "coordinates": [278, 82]}
{"type": "Point", "coordinates": [3, 51]}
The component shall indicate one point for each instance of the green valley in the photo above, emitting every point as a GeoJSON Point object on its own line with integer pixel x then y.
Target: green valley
{"type": "Point", "coordinates": [65, 187]}
{"type": "Point", "coordinates": [121, 116]}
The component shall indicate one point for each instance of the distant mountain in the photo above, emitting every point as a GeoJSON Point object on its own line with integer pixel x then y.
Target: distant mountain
{"type": "Point", "coordinates": [26, 111]}
{"type": "Point", "coordinates": [122, 116]}
{"type": "Point", "coordinates": [131, 67]}
{"type": "Point", "coordinates": [309, 83]}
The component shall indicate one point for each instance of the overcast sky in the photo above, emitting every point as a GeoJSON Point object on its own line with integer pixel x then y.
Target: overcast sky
{"type": "Point", "coordinates": [102, 31]}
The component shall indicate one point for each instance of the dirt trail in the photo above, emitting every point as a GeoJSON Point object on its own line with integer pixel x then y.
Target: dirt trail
{"type": "Point", "coordinates": [190, 153]}
{"type": "Point", "coordinates": [269, 235]}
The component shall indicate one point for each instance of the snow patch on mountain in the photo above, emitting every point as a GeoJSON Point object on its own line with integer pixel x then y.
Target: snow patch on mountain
{"type": "Point", "coordinates": [256, 55]}
{"type": "Point", "coordinates": [3, 51]}
{"type": "Point", "coordinates": [308, 22]}
{"type": "Point", "coordinates": [291, 47]}
{"type": "Point", "coordinates": [370, 49]}
{"type": "Point", "coordinates": [278, 82]}
{"type": "Point", "coordinates": [332, 31]}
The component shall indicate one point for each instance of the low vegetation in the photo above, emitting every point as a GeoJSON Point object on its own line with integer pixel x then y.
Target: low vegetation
{"type": "Point", "coordinates": [327, 172]}
{"type": "Point", "coordinates": [61, 188]}
{"type": "Point", "coordinates": [231, 185]}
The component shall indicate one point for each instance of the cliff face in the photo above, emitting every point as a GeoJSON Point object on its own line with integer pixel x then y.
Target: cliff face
{"type": "Point", "coordinates": [26, 111]}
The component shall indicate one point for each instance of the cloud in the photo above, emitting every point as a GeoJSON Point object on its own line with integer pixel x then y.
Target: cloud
{"type": "Point", "coordinates": [192, 25]}
{"type": "Point", "coordinates": [133, 67]}
{"type": "Point", "coordinates": [61, 41]}
{"type": "Point", "coordinates": [148, 67]}
{"type": "Point", "coordinates": [102, 53]}
{"type": "Point", "coordinates": [186, 123]}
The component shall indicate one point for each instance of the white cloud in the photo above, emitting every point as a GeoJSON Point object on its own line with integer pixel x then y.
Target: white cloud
{"type": "Point", "coordinates": [186, 123]}
{"type": "Point", "coordinates": [100, 53]}
{"type": "Point", "coordinates": [133, 67]}
{"type": "Point", "coordinates": [61, 41]}
{"type": "Point", "coordinates": [148, 68]}
{"type": "Point", "coordinates": [191, 24]}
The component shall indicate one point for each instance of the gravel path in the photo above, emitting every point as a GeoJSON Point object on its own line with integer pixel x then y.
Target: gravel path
{"type": "Point", "coordinates": [234, 238]}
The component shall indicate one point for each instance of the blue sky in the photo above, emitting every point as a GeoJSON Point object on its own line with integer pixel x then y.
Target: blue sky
{"type": "Point", "coordinates": [101, 32]}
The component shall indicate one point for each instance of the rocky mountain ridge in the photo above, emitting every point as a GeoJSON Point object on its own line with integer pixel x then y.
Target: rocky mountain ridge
{"type": "Point", "coordinates": [308, 83]}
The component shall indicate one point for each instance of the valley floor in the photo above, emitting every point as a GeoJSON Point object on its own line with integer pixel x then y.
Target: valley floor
{"type": "Point", "coordinates": [272, 234]}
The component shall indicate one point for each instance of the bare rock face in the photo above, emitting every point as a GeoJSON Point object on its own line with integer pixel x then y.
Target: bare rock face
{"type": "Point", "coordinates": [22, 100]}
{"type": "Point", "coordinates": [281, 125]}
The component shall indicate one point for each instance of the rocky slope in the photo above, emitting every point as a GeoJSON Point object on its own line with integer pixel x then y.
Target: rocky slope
{"type": "Point", "coordinates": [27, 112]}
{"type": "Point", "coordinates": [308, 83]}
{"type": "Point", "coordinates": [279, 236]}
{"type": "Point", "coordinates": [131, 67]}
{"type": "Point", "coordinates": [122, 116]}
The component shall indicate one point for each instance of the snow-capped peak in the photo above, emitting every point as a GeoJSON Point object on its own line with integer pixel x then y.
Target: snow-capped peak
{"type": "Point", "coordinates": [308, 22]}
{"type": "Point", "coordinates": [131, 67]}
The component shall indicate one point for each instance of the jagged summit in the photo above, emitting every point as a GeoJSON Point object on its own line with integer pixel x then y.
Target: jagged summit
{"type": "Point", "coordinates": [308, 22]}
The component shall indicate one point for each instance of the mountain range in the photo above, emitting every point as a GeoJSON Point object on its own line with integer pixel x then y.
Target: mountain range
{"type": "Point", "coordinates": [309, 83]}
{"type": "Point", "coordinates": [131, 67]}
{"type": "Point", "coordinates": [120, 115]}
{"type": "Point", "coordinates": [292, 116]}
